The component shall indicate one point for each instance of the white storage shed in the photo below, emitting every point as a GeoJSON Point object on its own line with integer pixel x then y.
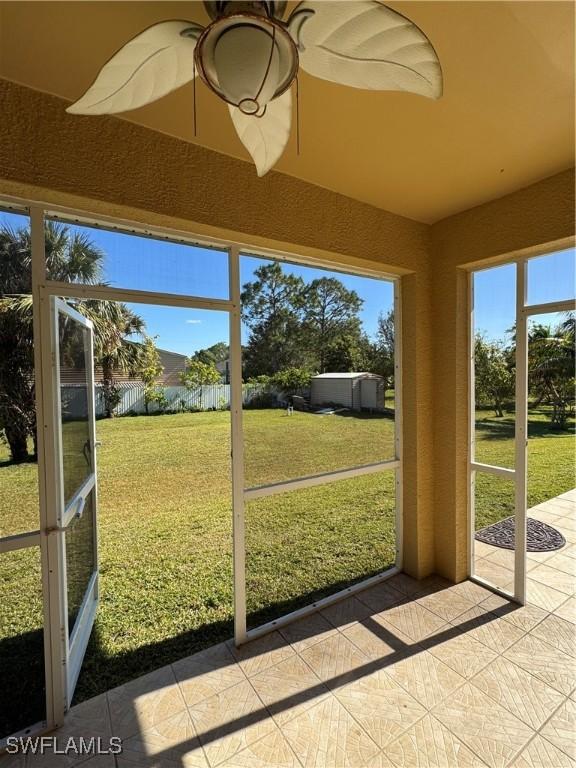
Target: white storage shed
{"type": "Point", "coordinates": [350, 390]}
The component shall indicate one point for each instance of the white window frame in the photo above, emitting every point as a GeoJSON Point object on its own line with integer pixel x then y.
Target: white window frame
{"type": "Point", "coordinates": [517, 475]}
{"type": "Point", "coordinates": [43, 289]}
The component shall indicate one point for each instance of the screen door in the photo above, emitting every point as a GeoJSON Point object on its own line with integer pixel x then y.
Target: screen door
{"type": "Point", "coordinates": [75, 487]}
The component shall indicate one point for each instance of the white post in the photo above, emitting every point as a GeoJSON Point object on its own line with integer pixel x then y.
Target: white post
{"type": "Point", "coordinates": [237, 450]}
{"type": "Point", "coordinates": [521, 435]}
{"type": "Point", "coordinates": [49, 544]}
{"type": "Point", "coordinates": [471, 428]}
{"type": "Point", "coordinates": [398, 422]}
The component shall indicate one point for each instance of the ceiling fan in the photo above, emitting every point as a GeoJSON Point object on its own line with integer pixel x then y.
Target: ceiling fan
{"type": "Point", "coordinates": [249, 57]}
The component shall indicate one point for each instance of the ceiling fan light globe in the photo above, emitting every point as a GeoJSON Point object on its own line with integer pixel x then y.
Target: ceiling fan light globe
{"type": "Point", "coordinates": [247, 66]}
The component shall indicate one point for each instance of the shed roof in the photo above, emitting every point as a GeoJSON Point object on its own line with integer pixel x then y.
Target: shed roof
{"type": "Point", "coordinates": [353, 375]}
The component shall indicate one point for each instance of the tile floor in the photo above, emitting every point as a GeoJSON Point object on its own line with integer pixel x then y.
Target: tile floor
{"type": "Point", "coordinates": [406, 674]}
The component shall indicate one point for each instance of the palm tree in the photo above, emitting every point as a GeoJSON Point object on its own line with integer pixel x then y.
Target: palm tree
{"type": "Point", "coordinates": [551, 361]}
{"type": "Point", "coordinates": [70, 257]}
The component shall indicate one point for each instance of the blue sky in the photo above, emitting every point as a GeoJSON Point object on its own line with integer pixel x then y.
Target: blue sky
{"type": "Point", "coordinates": [550, 278]}
{"type": "Point", "coordinates": [155, 265]}
{"type": "Point", "coordinates": [145, 264]}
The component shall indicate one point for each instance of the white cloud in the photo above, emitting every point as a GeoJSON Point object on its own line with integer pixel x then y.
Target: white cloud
{"type": "Point", "coordinates": [194, 322]}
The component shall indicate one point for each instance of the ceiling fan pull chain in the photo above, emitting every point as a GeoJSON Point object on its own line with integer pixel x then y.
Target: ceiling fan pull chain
{"type": "Point", "coordinates": [297, 117]}
{"type": "Point", "coordinates": [194, 96]}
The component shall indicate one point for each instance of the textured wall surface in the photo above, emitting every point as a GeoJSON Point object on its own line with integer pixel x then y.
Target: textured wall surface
{"type": "Point", "coordinates": [526, 219]}
{"type": "Point", "coordinates": [107, 166]}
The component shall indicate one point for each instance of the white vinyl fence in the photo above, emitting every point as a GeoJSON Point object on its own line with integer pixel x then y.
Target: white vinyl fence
{"type": "Point", "coordinates": [208, 398]}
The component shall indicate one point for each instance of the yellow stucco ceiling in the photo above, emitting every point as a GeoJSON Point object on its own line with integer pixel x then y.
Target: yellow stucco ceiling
{"type": "Point", "coordinates": [505, 120]}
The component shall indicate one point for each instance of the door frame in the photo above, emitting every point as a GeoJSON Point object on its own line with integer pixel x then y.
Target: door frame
{"type": "Point", "coordinates": [73, 644]}
{"type": "Point", "coordinates": [519, 474]}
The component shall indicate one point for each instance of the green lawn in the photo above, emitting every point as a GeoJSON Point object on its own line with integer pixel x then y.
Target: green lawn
{"type": "Point", "coordinates": [165, 530]}
{"type": "Point", "coordinates": [551, 459]}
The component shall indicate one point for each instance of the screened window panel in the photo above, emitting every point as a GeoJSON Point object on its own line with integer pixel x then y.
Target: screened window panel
{"type": "Point", "coordinates": [136, 262]}
{"type": "Point", "coordinates": [495, 365]}
{"type": "Point", "coordinates": [307, 544]}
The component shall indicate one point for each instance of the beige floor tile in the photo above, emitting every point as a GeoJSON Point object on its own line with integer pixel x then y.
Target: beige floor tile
{"type": "Point", "coordinates": [539, 557]}
{"type": "Point", "coordinates": [172, 743]}
{"type": "Point", "coordinates": [503, 557]}
{"type": "Point", "coordinates": [557, 632]}
{"type": "Point", "coordinates": [471, 591]}
{"type": "Point", "coordinates": [335, 660]}
{"type": "Point", "coordinates": [273, 751]}
{"type": "Point", "coordinates": [542, 595]}
{"type": "Point", "coordinates": [525, 617]}
{"type": "Point", "coordinates": [12, 761]}
{"type": "Point", "coordinates": [563, 563]}
{"type": "Point", "coordinates": [568, 533]}
{"type": "Point", "coordinates": [544, 514]}
{"type": "Point", "coordinates": [260, 654]}
{"type": "Point", "coordinates": [380, 597]}
{"type": "Point", "coordinates": [346, 612]}
{"type": "Point", "coordinates": [289, 688]}
{"type": "Point", "coordinates": [144, 702]}
{"type": "Point", "coordinates": [409, 586]}
{"type": "Point", "coordinates": [413, 620]}
{"type": "Point", "coordinates": [379, 640]}
{"type": "Point", "coordinates": [463, 654]}
{"type": "Point", "coordinates": [426, 678]}
{"type": "Point", "coordinates": [381, 706]}
{"type": "Point", "coordinates": [495, 574]}
{"type": "Point", "coordinates": [567, 610]}
{"type": "Point", "coordinates": [445, 604]}
{"type": "Point", "coordinates": [561, 729]}
{"type": "Point", "coordinates": [526, 696]}
{"type": "Point", "coordinates": [428, 744]}
{"type": "Point", "coordinates": [552, 577]}
{"type": "Point", "coordinates": [327, 736]}
{"type": "Point", "coordinates": [98, 761]}
{"type": "Point", "coordinates": [487, 628]}
{"type": "Point", "coordinates": [230, 721]}
{"type": "Point", "coordinates": [545, 662]}
{"type": "Point", "coordinates": [540, 753]}
{"type": "Point", "coordinates": [379, 761]}
{"type": "Point", "coordinates": [481, 549]}
{"type": "Point", "coordinates": [485, 727]}
{"type": "Point", "coordinates": [305, 632]}
{"type": "Point", "coordinates": [88, 719]}
{"type": "Point", "coordinates": [566, 512]}
{"type": "Point", "coordinates": [569, 551]}
{"type": "Point", "coordinates": [207, 673]}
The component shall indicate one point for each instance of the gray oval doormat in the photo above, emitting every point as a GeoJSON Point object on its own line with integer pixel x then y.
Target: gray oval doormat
{"type": "Point", "coordinates": [540, 537]}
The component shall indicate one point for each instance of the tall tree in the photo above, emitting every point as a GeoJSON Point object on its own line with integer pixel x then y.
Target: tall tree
{"type": "Point", "coordinates": [272, 310]}
{"type": "Point", "coordinates": [199, 375]}
{"type": "Point", "coordinates": [493, 374]}
{"type": "Point", "coordinates": [217, 353]}
{"type": "Point", "coordinates": [70, 257]}
{"type": "Point", "coordinates": [330, 312]}
{"type": "Point", "coordinates": [383, 359]}
{"type": "Point", "coordinates": [149, 368]}
{"type": "Point", "coordinates": [551, 363]}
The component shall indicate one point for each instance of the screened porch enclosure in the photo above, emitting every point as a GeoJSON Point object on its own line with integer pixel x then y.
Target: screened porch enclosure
{"type": "Point", "coordinates": [238, 514]}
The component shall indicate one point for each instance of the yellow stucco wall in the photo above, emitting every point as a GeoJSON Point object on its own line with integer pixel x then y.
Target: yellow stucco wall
{"type": "Point", "coordinates": [523, 221]}
{"type": "Point", "coordinates": [107, 166]}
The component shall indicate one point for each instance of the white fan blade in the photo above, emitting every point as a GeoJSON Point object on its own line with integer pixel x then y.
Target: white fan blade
{"type": "Point", "coordinates": [149, 66]}
{"type": "Point", "coordinates": [365, 44]}
{"type": "Point", "coordinates": [265, 137]}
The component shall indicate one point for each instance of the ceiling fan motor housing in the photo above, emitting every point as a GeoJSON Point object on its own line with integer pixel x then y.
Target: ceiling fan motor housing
{"type": "Point", "coordinates": [247, 59]}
